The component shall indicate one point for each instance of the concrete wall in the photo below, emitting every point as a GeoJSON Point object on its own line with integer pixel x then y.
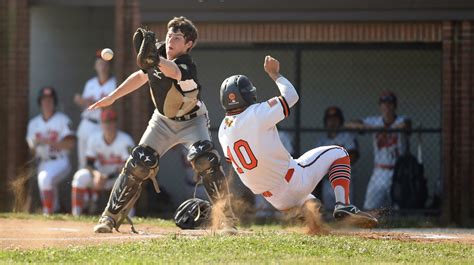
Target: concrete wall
{"type": "Point", "coordinates": [63, 45]}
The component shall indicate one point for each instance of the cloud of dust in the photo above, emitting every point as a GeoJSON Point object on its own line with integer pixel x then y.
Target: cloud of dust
{"type": "Point", "coordinates": [19, 187]}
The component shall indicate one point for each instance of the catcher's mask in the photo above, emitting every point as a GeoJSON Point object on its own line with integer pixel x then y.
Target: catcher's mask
{"type": "Point", "coordinates": [237, 92]}
{"type": "Point", "coordinates": [193, 213]}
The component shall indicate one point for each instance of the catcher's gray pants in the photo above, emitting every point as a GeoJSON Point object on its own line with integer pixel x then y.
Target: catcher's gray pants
{"type": "Point", "coordinates": [378, 190]}
{"type": "Point", "coordinates": [163, 133]}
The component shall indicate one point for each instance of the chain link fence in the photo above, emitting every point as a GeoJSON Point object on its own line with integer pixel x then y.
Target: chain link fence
{"type": "Point", "coordinates": [350, 76]}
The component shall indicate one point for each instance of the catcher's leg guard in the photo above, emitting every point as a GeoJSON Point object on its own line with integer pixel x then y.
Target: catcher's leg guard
{"type": "Point", "coordinates": [206, 162]}
{"type": "Point", "coordinates": [141, 165]}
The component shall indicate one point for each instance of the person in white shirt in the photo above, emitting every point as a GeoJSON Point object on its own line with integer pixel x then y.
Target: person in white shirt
{"type": "Point", "coordinates": [50, 139]}
{"type": "Point", "coordinates": [249, 138]}
{"type": "Point", "coordinates": [388, 146]}
{"type": "Point", "coordinates": [95, 89]}
{"type": "Point", "coordinates": [106, 153]}
{"type": "Point", "coordinates": [334, 120]}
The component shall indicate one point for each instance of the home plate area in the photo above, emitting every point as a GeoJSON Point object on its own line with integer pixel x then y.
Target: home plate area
{"type": "Point", "coordinates": [29, 234]}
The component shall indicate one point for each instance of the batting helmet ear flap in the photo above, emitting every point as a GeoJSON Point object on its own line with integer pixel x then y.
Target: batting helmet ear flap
{"type": "Point", "coordinates": [48, 91]}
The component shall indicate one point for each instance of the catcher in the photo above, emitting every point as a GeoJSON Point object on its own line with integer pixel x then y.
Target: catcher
{"type": "Point", "coordinates": [180, 117]}
{"type": "Point", "coordinates": [249, 138]}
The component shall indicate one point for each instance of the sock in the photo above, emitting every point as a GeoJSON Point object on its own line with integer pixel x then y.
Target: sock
{"type": "Point", "coordinates": [340, 179]}
{"type": "Point", "coordinates": [77, 199]}
{"type": "Point", "coordinates": [48, 199]}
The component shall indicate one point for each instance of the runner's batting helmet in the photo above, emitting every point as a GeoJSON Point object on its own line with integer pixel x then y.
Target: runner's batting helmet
{"type": "Point", "coordinates": [237, 92]}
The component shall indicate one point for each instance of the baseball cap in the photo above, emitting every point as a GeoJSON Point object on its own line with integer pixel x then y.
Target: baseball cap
{"type": "Point", "coordinates": [47, 91]}
{"type": "Point", "coordinates": [333, 111]}
{"type": "Point", "coordinates": [387, 96]}
{"type": "Point", "coordinates": [108, 115]}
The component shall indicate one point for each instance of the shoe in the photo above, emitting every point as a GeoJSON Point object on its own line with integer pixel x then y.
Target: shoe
{"type": "Point", "coordinates": [354, 216]}
{"type": "Point", "coordinates": [105, 225]}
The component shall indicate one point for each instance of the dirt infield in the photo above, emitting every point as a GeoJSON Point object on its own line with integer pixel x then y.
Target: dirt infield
{"type": "Point", "coordinates": [29, 234]}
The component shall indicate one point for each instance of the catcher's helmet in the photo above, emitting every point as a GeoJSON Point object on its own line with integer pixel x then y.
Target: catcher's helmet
{"type": "Point", "coordinates": [237, 92]}
{"type": "Point", "coordinates": [192, 214]}
{"type": "Point", "coordinates": [48, 91]}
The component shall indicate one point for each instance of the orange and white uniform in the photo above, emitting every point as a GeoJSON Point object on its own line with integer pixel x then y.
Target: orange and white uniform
{"type": "Point", "coordinates": [90, 123]}
{"type": "Point", "coordinates": [387, 148]}
{"type": "Point", "coordinates": [108, 158]}
{"type": "Point", "coordinates": [250, 141]}
{"type": "Point", "coordinates": [54, 165]}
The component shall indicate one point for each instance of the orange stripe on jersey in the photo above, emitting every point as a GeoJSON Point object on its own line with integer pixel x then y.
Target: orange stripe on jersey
{"type": "Point", "coordinates": [267, 194]}
{"type": "Point", "coordinates": [284, 104]}
{"type": "Point", "coordinates": [289, 174]}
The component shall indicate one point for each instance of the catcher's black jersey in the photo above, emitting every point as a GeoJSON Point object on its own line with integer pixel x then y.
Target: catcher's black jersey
{"type": "Point", "coordinates": [174, 98]}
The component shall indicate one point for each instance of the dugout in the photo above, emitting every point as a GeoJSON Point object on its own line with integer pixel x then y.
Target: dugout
{"type": "Point", "coordinates": [338, 52]}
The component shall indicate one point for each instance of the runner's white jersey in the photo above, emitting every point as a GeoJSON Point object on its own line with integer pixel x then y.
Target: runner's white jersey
{"type": "Point", "coordinates": [94, 91]}
{"type": "Point", "coordinates": [250, 140]}
{"type": "Point", "coordinates": [387, 146]}
{"type": "Point", "coordinates": [54, 129]}
{"type": "Point", "coordinates": [109, 159]}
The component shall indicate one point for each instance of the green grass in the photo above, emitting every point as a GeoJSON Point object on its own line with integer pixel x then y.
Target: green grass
{"type": "Point", "coordinates": [261, 248]}
{"type": "Point", "coordinates": [266, 246]}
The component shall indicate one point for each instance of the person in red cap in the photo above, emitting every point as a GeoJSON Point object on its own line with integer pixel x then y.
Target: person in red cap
{"type": "Point", "coordinates": [50, 139]}
{"type": "Point", "coordinates": [388, 146]}
{"type": "Point", "coordinates": [95, 89]}
{"type": "Point", "coordinates": [333, 120]}
{"type": "Point", "coordinates": [106, 152]}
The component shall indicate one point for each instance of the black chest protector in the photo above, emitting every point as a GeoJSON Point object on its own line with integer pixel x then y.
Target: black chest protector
{"type": "Point", "coordinates": [168, 95]}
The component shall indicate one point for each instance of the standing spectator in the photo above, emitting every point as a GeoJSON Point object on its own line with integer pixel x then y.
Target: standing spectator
{"type": "Point", "coordinates": [106, 153]}
{"type": "Point", "coordinates": [50, 139]}
{"type": "Point", "coordinates": [388, 146]}
{"type": "Point", "coordinates": [95, 89]}
{"type": "Point", "coordinates": [334, 120]}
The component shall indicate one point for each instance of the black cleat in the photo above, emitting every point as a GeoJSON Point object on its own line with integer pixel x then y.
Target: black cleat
{"type": "Point", "coordinates": [353, 215]}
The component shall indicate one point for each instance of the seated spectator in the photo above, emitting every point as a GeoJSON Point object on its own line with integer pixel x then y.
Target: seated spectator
{"type": "Point", "coordinates": [334, 120]}
{"type": "Point", "coordinates": [106, 154]}
{"type": "Point", "coordinates": [388, 146]}
{"type": "Point", "coordinates": [50, 139]}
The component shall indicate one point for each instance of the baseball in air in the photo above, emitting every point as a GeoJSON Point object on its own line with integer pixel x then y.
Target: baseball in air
{"type": "Point", "coordinates": [107, 54]}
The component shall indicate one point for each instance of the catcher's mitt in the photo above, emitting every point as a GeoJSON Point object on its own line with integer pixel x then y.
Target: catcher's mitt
{"type": "Point", "coordinates": [193, 213]}
{"type": "Point", "coordinates": [148, 56]}
{"type": "Point", "coordinates": [138, 39]}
